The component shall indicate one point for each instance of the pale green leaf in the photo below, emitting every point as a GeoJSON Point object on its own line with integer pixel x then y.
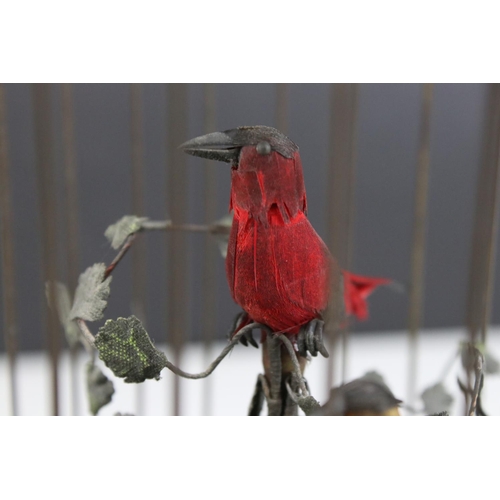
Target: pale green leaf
{"type": "Point", "coordinates": [118, 232]}
{"type": "Point", "coordinates": [436, 399]}
{"type": "Point", "coordinates": [62, 304]}
{"type": "Point", "coordinates": [92, 293]}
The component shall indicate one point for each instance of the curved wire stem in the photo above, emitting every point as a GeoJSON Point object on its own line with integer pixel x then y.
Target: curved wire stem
{"type": "Point", "coordinates": [275, 401]}
{"type": "Point", "coordinates": [305, 401]}
{"type": "Point", "coordinates": [90, 341]}
{"type": "Point", "coordinates": [478, 369]}
{"type": "Point", "coordinates": [217, 360]}
{"type": "Point", "coordinates": [296, 366]}
{"type": "Point", "coordinates": [283, 392]}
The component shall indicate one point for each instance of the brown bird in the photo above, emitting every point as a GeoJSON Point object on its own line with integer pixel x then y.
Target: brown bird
{"type": "Point", "coordinates": [365, 396]}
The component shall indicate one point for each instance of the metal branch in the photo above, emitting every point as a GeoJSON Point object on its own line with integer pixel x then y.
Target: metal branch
{"type": "Point", "coordinates": [478, 369]}
{"type": "Point", "coordinates": [90, 339]}
{"type": "Point", "coordinates": [123, 250]}
{"type": "Point", "coordinates": [265, 386]}
{"type": "Point", "coordinates": [87, 334]}
{"type": "Point", "coordinates": [291, 407]}
{"type": "Point", "coordinates": [295, 362]}
{"type": "Point", "coordinates": [258, 398]}
{"type": "Point", "coordinates": [291, 393]}
{"type": "Point", "coordinates": [275, 402]}
{"type": "Point", "coordinates": [160, 226]}
{"type": "Point", "coordinates": [217, 360]}
{"type": "Point", "coordinates": [166, 225]}
{"type": "Point", "coordinates": [156, 225]}
{"type": "Point", "coordinates": [305, 401]}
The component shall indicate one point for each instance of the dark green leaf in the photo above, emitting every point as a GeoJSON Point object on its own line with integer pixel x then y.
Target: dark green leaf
{"type": "Point", "coordinates": [92, 293]}
{"type": "Point", "coordinates": [125, 348]}
{"type": "Point", "coordinates": [100, 389]}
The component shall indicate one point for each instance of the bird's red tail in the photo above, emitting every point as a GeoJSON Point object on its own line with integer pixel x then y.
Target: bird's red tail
{"type": "Point", "coordinates": [356, 291]}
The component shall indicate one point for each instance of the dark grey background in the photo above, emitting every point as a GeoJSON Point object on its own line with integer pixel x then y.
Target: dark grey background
{"type": "Point", "coordinates": [388, 126]}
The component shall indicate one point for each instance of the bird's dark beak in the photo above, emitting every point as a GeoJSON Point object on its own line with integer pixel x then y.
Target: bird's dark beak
{"type": "Point", "coordinates": [215, 146]}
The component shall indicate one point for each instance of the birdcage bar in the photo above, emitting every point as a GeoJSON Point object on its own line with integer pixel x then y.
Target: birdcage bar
{"type": "Point", "coordinates": [209, 280]}
{"type": "Point", "coordinates": [417, 262]}
{"type": "Point", "coordinates": [177, 94]}
{"type": "Point", "coordinates": [7, 257]}
{"type": "Point", "coordinates": [71, 223]}
{"type": "Point", "coordinates": [340, 200]}
{"type": "Point", "coordinates": [139, 266]}
{"type": "Point", "coordinates": [482, 264]}
{"type": "Point", "coordinates": [42, 112]}
{"type": "Point", "coordinates": [282, 93]}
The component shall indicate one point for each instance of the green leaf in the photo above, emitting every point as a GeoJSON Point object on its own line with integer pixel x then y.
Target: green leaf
{"type": "Point", "coordinates": [491, 364]}
{"type": "Point", "coordinates": [436, 399]}
{"type": "Point", "coordinates": [62, 304]}
{"type": "Point", "coordinates": [118, 232]}
{"type": "Point", "coordinates": [125, 347]}
{"type": "Point", "coordinates": [92, 293]}
{"type": "Point", "coordinates": [100, 389]}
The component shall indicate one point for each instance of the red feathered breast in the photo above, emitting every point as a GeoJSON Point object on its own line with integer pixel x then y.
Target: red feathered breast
{"type": "Point", "coordinates": [278, 271]}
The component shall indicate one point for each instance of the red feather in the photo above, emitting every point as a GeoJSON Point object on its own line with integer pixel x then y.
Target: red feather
{"type": "Point", "coordinates": [356, 291]}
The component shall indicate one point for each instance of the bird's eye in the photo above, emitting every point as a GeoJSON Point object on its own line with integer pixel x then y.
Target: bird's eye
{"type": "Point", "coordinates": [263, 148]}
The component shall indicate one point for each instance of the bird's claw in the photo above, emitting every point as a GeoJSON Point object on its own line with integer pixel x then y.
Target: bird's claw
{"type": "Point", "coordinates": [239, 322]}
{"type": "Point", "coordinates": [247, 338]}
{"type": "Point", "coordinates": [310, 339]}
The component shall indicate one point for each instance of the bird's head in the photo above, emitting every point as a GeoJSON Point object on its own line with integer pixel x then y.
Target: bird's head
{"type": "Point", "coordinates": [239, 146]}
{"type": "Point", "coordinates": [266, 169]}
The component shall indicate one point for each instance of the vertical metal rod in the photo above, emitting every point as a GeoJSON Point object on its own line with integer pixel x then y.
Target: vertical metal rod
{"type": "Point", "coordinates": [209, 302]}
{"type": "Point", "coordinates": [417, 263]}
{"type": "Point", "coordinates": [481, 269]}
{"type": "Point", "coordinates": [481, 274]}
{"type": "Point", "coordinates": [71, 222]}
{"type": "Point", "coordinates": [47, 207]}
{"type": "Point", "coordinates": [492, 217]}
{"type": "Point", "coordinates": [177, 208]}
{"type": "Point", "coordinates": [7, 256]}
{"type": "Point", "coordinates": [139, 270]}
{"type": "Point", "coordinates": [282, 90]}
{"type": "Point", "coordinates": [340, 200]}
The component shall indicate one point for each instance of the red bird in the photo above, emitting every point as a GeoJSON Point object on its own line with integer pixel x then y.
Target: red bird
{"type": "Point", "coordinates": [278, 268]}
